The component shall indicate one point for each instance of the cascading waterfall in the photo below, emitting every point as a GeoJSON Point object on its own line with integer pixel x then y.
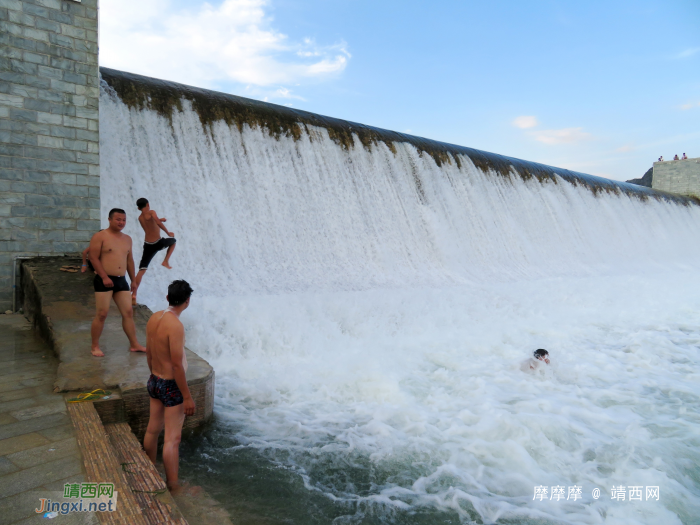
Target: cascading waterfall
{"type": "Point", "coordinates": [366, 308]}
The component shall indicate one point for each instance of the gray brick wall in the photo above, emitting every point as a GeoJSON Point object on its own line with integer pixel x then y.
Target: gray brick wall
{"type": "Point", "coordinates": [677, 176]}
{"type": "Point", "coordinates": [49, 133]}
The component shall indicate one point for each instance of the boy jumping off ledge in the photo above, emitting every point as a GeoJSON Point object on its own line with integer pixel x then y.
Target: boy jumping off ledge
{"type": "Point", "coordinates": [153, 242]}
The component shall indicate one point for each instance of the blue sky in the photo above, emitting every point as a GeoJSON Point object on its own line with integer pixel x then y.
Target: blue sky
{"type": "Point", "coordinates": [598, 87]}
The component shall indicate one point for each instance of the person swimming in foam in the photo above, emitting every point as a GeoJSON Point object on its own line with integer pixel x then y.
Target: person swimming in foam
{"type": "Point", "coordinates": [535, 363]}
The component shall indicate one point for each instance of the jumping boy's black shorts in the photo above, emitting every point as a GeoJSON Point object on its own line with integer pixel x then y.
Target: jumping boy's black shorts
{"type": "Point", "coordinates": [120, 284]}
{"type": "Point", "coordinates": [151, 248]}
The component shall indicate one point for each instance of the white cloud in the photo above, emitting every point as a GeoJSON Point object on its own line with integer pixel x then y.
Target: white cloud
{"type": "Point", "coordinates": [210, 46]}
{"type": "Point", "coordinates": [690, 105]}
{"type": "Point", "coordinates": [285, 93]}
{"type": "Point", "coordinates": [688, 52]}
{"type": "Point", "coordinates": [561, 136]}
{"type": "Point", "coordinates": [525, 122]}
{"type": "Point", "coordinates": [626, 148]}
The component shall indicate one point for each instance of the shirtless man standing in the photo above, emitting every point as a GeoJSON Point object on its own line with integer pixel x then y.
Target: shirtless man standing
{"type": "Point", "coordinates": [170, 396]}
{"type": "Point", "coordinates": [153, 243]}
{"type": "Point", "coordinates": [111, 257]}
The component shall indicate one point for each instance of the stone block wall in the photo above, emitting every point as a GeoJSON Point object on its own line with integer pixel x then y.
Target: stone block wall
{"type": "Point", "coordinates": [677, 176]}
{"type": "Point", "coordinates": [49, 133]}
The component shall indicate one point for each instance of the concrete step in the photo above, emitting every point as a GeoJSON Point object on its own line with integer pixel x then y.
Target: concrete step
{"type": "Point", "coordinates": [150, 491]}
{"type": "Point", "coordinates": [113, 455]}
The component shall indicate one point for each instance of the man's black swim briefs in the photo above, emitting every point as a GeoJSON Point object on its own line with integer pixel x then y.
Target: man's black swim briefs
{"type": "Point", "coordinates": [164, 390]}
{"type": "Point", "coordinates": [151, 248]}
{"type": "Point", "coordinates": [120, 284]}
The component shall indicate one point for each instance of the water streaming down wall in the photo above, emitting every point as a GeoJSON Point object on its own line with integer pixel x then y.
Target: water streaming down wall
{"type": "Point", "coordinates": [364, 294]}
{"type": "Point", "coordinates": [306, 209]}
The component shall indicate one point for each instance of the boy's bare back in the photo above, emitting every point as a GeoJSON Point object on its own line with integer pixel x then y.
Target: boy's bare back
{"type": "Point", "coordinates": [149, 225]}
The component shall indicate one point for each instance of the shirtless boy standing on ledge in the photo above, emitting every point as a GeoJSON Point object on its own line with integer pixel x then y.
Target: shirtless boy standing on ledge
{"type": "Point", "coordinates": [153, 243]}
{"type": "Point", "coordinates": [110, 255]}
{"type": "Point", "coordinates": [170, 396]}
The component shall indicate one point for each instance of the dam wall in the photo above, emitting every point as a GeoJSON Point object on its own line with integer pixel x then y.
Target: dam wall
{"type": "Point", "coordinates": [286, 200]}
{"type": "Point", "coordinates": [49, 132]}
{"type": "Point", "coordinates": [677, 176]}
{"type": "Point", "coordinates": [167, 98]}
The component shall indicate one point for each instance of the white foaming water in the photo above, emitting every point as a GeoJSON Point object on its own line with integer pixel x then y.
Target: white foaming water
{"type": "Point", "coordinates": [356, 323]}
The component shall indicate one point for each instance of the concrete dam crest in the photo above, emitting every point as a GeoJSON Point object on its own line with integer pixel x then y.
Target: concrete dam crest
{"type": "Point", "coordinates": [165, 97]}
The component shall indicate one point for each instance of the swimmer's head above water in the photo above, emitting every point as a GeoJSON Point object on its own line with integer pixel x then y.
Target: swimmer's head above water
{"type": "Point", "coordinates": [542, 355]}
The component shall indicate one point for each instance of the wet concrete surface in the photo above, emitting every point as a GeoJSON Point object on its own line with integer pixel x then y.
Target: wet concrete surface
{"type": "Point", "coordinates": [38, 449]}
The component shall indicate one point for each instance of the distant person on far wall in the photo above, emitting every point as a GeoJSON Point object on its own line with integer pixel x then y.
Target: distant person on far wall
{"type": "Point", "coordinates": [167, 387]}
{"type": "Point", "coordinates": [685, 157]}
{"type": "Point", "coordinates": [661, 158]}
{"type": "Point", "coordinates": [540, 357]}
{"type": "Point", "coordinates": [675, 157]}
{"type": "Point", "coordinates": [111, 257]}
{"type": "Point", "coordinates": [153, 242]}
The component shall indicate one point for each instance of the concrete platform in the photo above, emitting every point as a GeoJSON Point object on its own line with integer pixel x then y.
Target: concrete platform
{"type": "Point", "coordinates": [61, 306]}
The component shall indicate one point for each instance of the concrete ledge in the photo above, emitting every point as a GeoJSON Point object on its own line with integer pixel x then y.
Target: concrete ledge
{"type": "Point", "coordinates": [61, 307]}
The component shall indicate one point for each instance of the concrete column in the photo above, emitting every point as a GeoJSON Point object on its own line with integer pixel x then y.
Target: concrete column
{"type": "Point", "coordinates": [49, 130]}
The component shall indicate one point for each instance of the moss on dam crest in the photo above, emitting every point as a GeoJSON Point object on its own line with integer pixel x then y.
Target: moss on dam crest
{"type": "Point", "coordinates": [165, 97]}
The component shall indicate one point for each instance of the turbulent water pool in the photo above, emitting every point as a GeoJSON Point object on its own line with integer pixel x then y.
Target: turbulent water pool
{"type": "Point", "coordinates": [408, 406]}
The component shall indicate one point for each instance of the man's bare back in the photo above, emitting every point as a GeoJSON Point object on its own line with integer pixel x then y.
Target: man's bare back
{"type": "Point", "coordinates": [163, 332]}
